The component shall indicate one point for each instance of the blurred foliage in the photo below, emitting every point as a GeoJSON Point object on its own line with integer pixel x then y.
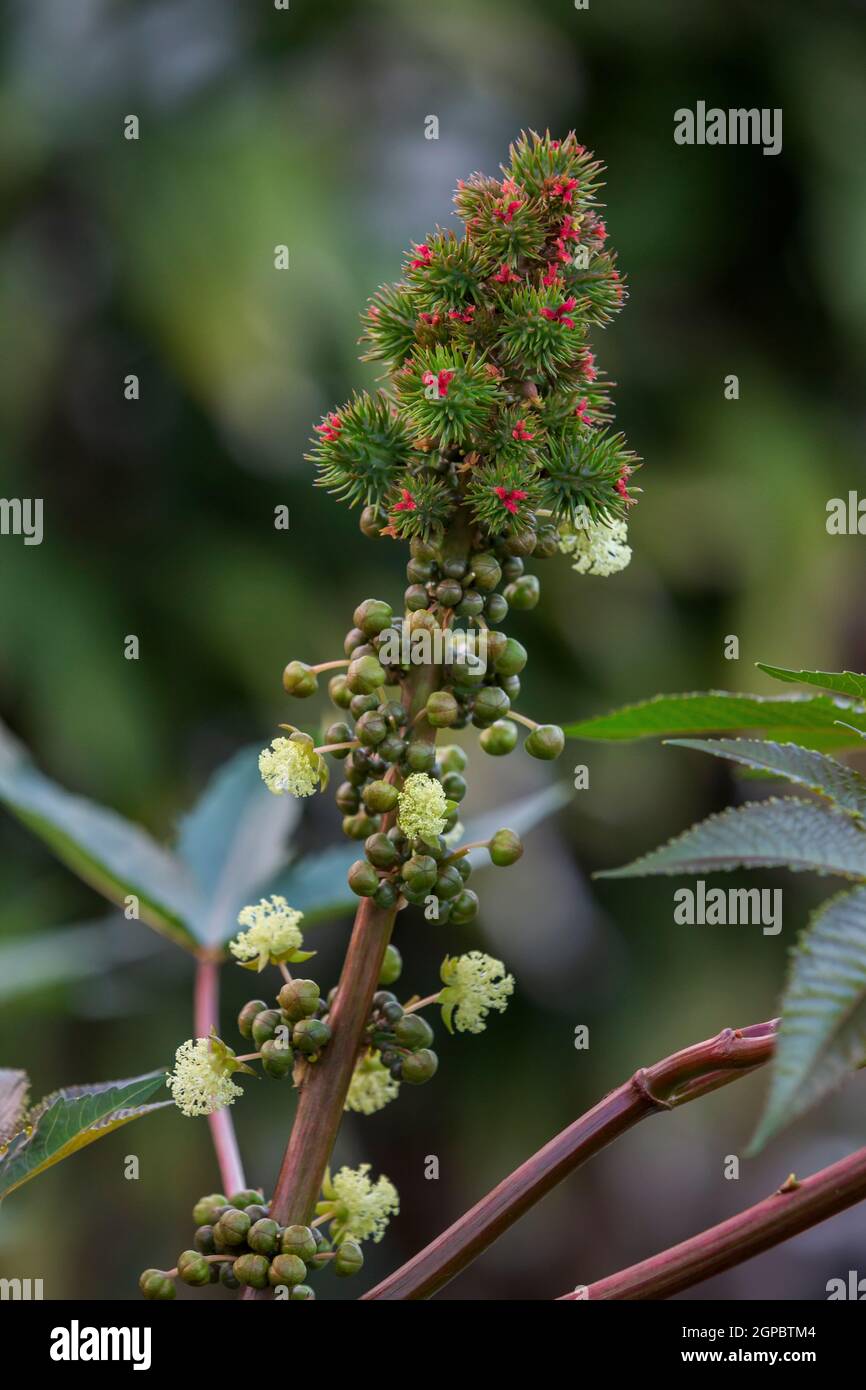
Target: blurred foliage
{"type": "Point", "coordinates": [156, 257]}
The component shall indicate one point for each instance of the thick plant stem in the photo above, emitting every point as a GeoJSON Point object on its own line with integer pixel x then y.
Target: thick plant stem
{"type": "Point", "coordinates": [206, 1016]}
{"type": "Point", "coordinates": [792, 1209]}
{"type": "Point", "coordinates": [326, 1084]}
{"type": "Point", "coordinates": [684, 1076]}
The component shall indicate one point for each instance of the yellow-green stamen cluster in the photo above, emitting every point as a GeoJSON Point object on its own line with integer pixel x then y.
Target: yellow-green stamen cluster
{"type": "Point", "coordinates": [272, 934]}
{"type": "Point", "coordinates": [474, 984]}
{"type": "Point", "coordinates": [356, 1206]}
{"type": "Point", "coordinates": [421, 810]}
{"type": "Point", "coordinates": [201, 1081]}
{"type": "Point", "coordinates": [372, 1085]}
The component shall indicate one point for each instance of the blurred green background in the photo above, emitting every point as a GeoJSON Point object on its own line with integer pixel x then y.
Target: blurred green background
{"type": "Point", "coordinates": [306, 128]}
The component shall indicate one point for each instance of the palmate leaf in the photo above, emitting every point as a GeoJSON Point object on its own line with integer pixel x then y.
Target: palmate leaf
{"type": "Point", "coordinates": [842, 682]}
{"type": "Point", "coordinates": [114, 856]}
{"type": "Point", "coordinates": [779, 833]}
{"type": "Point", "coordinates": [69, 1120]}
{"type": "Point", "coordinates": [822, 1035]}
{"type": "Point", "coordinates": [807, 768]}
{"type": "Point", "coordinates": [810, 720]}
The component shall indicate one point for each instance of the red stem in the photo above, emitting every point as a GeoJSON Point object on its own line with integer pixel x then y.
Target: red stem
{"type": "Point", "coordinates": [693, 1072]}
{"type": "Point", "coordinates": [206, 1013]}
{"type": "Point", "coordinates": [789, 1211]}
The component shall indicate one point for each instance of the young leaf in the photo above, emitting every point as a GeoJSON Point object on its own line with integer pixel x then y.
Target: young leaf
{"type": "Point", "coordinates": [233, 840]}
{"type": "Point", "coordinates": [822, 1035]}
{"type": "Point", "coordinates": [786, 833]}
{"type": "Point", "coordinates": [808, 719]}
{"type": "Point", "coordinates": [69, 1120]}
{"type": "Point", "coordinates": [842, 682]}
{"type": "Point", "coordinates": [841, 784]}
{"type": "Point", "coordinates": [114, 856]}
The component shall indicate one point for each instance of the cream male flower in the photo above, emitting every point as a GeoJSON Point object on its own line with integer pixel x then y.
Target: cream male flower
{"type": "Point", "coordinates": [474, 984]}
{"type": "Point", "coordinates": [358, 1207]}
{"type": "Point", "coordinates": [201, 1081]}
{"type": "Point", "coordinates": [272, 933]}
{"type": "Point", "coordinates": [372, 1085]}
{"type": "Point", "coordinates": [292, 765]}
{"type": "Point", "coordinates": [597, 547]}
{"type": "Point", "coordinates": [421, 808]}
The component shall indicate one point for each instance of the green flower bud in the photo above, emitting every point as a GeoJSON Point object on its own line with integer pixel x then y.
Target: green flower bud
{"type": "Point", "coordinates": [338, 733]}
{"type": "Point", "coordinates": [496, 608]}
{"type": "Point", "coordinates": [413, 1031]}
{"type": "Point", "coordinates": [362, 704]}
{"type": "Point", "coordinates": [464, 908]}
{"type": "Point", "coordinates": [380, 797]}
{"type": "Point", "coordinates": [471, 604]}
{"type": "Point", "coordinates": [491, 704]}
{"type": "Point", "coordinates": [363, 878]}
{"type": "Point", "coordinates": [385, 895]}
{"type": "Point", "coordinates": [512, 568]}
{"type": "Point", "coordinates": [420, 872]}
{"type": "Point", "coordinates": [310, 1035]}
{"type": "Point", "coordinates": [232, 1228]}
{"type": "Point", "coordinates": [419, 571]}
{"type": "Point", "coordinates": [448, 593]}
{"type": "Point", "coordinates": [452, 758]}
{"type": "Point", "coordinates": [546, 741]}
{"type": "Point", "coordinates": [256, 1211]}
{"type": "Point", "coordinates": [359, 827]}
{"type": "Point", "coordinates": [252, 1270]}
{"type": "Point", "coordinates": [500, 738]}
{"type": "Point", "coordinates": [155, 1283]}
{"type": "Point", "coordinates": [247, 1016]}
{"type": "Point", "coordinates": [505, 848]}
{"type": "Point", "coordinates": [264, 1236]}
{"type": "Point", "coordinates": [206, 1209]}
{"type": "Point", "coordinates": [373, 616]}
{"type": "Point", "coordinates": [354, 639]}
{"type": "Point", "coordinates": [246, 1197]}
{"type": "Point", "coordinates": [421, 757]}
{"type": "Point", "coordinates": [203, 1240]}
{"type": "Point", "coordinates": [454, 566]}
{"type": "Point", "coordinates": [371, 522]}
{"type": "Point", "coordinates": [265, 1027]}
{"type": "Point", "coordinates": [419, 1067]}
{"type": "Point", "coordinates": [300, 1241]}
{"type": "Point", "coordinates": [299, 999]}
{"type": "Point", "coordinates": [449, 883]}
{"type": "Point", "coordinates": [464, 867]}
{"type": "Point", "coordinates": [392, 749]}
{"type": "Point", "coordinates": [442, 709]}
{"type": "Point", "coordinates": [349, 1258]}
{"type": "Point", "coordinates": [371, 728]}
{"type": "Point", "coordinates": [227, 1275]}
{"type": "Point", "coordinates": [301, 1293]}
{"type": "Point", "coordinates": [348, 798]}
{"type": "Point", "coordinates": [416, 598]}
{"type": "Point", "coordinates": [365, 675]}
{"type": "Point", "coordinates": [511, 686]}
{"type": "Point", "coordinates": [454, 786]}
{"type": "Point", "coordinates": [277, 1059]}
{"type": "Point", "coordinates": [193, 1268]}
{"type": "Point", "coordinates": [392, 1011]}
{"type": "Point", "coordinates": [512, 660]}
{"type": "Point", "coordinates": [487, 570]}
{"type": "Point", "coordinates": [286, 1270]}
{"type": "Point", "coordinates": [299, 680]}
{"type": "Point", "coordinates": [392, 966]}
{"type": "Point", "coordinates": [380, 850]}
{"type": "Point", "coordinates": [524, 593]}
{"type": "Point", "coordinates": [521, 542]}
{"type": "Point", "coordinates": [339, 692]}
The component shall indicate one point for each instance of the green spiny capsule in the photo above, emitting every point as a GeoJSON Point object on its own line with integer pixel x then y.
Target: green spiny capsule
{"type": "Point", "coordinates": [349, 1258]}
{"type": "Point", "coordinates": [299, 680]}
{"type": "Point", "coordinates": [286, 1270]}
{"type": "Point", "coordinates": [203, 1240]}
{"type": "Point", "coordinates": [206, 1209]}
{"type": "Point", "coordinates": [301, 1293]}
{"type": "Point", "coordinates": [392, 966]}
{"type": "Point", "coordinates": [193, 1268]}
{"type": "Point", "coordinates": [373, 616]}
{"type": "Point", "coordinates": [232, 1228]}
{"type": "Point", "coordinates": [264, 1236]}
{"type": "Point", "coordinates": [300, 1241]}
{"type": "Point", "coordinates": [546, 741]}
{"type": "Point", "coordinates": [420, 872]}
{"type": "Point", "coordinates": [246, 1018]}
{"type": "Point", "coordinates": [524, 593]}
{"type": "Point", "coordinates": [277, 1059]}
{"type": "Point", "coordinates": [310, 1035]}
{"type": "Point", "coordinates": [155, 1284]}
{"type": "Point", "coordinates": [380, 797]}
{"type": "Point", "coordinates": [419, 1067]}
{"type": "Point", "coordinates": [441, 709]}
{"type": "Point", "coordinates": [413, 1031]}
{"type": "Point", "coordinates": [299, 999]}
{"type": "Point", "coordinates": [252, 1270]}
{"type": "Point", "coordinates": [265, 1025]}
{"type": "Point", "coordinates": [421, 757]}
{"type": "Point", "coordinates": [505, 848]}
{"type": "Point", "coordinates": [512, 660]}
{"type": "Point", "coordinates": [380, 850]}
{"type": "Point", "coordinates": [464, 909]}
{"type": "Point", "coordinates": [365, 675]}
{"type": "Point", "coordinates": [491, 704]}
{"type": "Point", "coordinates": [500, 738]}
{"type": "Point", "coordinates": [363, 878]}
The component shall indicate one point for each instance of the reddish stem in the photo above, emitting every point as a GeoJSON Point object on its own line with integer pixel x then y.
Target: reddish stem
{"type": "Point", "coordinates": [693, 1072]}
{"type": "Point", "coordinates": [789, 1211]}
{"type": "Point", "coordinates": [206, 1013]}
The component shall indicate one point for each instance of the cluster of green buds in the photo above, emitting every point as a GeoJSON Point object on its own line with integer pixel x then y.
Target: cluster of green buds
{"type": "Point", "coordinates": [237, 1243]}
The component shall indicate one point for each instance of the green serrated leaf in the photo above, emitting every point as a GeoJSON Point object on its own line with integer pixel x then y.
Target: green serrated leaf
{"type": "Point", "coordinates": [822, 1034]}
{"type": "Point", "coordinates": [114, 856]}
{"type": "Point", "coordinates": [842, 682]}
{"type": "Point", "coordinates": [807, 719]}
{"type": "Point", "coordinates": [779, 833]}
{"type": "Point", "coordinates": [69, 1120]}
{"type": "Point", "coordinates": [803, 766]}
